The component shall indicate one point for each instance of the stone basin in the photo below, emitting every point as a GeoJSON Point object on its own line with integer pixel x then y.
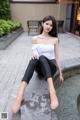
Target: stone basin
{"type": "Point", "coordinates": [37, 101]}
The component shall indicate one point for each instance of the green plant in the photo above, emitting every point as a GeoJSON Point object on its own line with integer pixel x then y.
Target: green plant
{"type": "Point", "coordinates": [11, 23]}
{"type": "Point", "coordinates": [7, 26]}
{"type": "Point", "coordinates": [1, 32]}
{"type": "Point", "coordinates": [17, 24]}
{"type": "Point", "coordinates": [5, 9]}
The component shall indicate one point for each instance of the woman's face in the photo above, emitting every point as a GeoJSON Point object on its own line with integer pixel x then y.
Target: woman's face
{"type": "Point", "coordinates": [47, 26]}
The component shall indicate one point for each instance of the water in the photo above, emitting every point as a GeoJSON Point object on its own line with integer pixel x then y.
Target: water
{"type": "Point", "coordinates": [67, 94]}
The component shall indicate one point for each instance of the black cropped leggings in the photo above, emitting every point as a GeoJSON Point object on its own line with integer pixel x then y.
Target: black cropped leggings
{"type": "Point", "coordinates": [43, 66]}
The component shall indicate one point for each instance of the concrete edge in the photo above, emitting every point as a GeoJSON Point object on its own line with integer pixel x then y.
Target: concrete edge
{"type": "Point", "coordinates": [68, 71]}
{"type": "Point", "coordinates": [5, 41]}
{"type": "Point", "coordinates": [74, 35]}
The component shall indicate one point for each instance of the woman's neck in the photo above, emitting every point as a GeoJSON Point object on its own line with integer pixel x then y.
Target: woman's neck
{"type": "Point", "coordinates": [44, 34]}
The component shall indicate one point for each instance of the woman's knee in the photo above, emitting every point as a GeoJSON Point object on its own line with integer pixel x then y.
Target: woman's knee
{"type": "Point", "coordinates": [42, 58]}
{"type": "Point", "coordinates": [33, 61]}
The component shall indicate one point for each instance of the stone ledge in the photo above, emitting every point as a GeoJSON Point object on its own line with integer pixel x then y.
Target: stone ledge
{"type": "Point", "coordinates": [5, 41]}
{"type": "Point", "coordinates": [69, 69]}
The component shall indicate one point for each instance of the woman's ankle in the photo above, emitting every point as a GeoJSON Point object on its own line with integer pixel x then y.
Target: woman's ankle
{"type": "Point", "coordinates": [54, 101]}
{"type": "Point", "coordinates": [16, 105]}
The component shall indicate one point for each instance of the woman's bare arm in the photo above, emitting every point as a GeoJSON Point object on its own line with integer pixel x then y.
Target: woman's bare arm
{"type": "Point", "coordinates": [57, 55]}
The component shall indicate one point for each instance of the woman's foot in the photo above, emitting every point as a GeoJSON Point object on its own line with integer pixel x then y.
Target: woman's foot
{"type": "Point", "coordinates": [54, 100]}
{"type": "Point", "coordinates": [16, 106]}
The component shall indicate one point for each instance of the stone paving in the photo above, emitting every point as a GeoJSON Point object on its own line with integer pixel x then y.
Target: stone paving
{"type": "Point", "coordinates": [13, 63]}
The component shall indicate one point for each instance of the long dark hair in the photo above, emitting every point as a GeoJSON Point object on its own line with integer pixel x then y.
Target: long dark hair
{"type": "Point", "coordinates": [53, 32]}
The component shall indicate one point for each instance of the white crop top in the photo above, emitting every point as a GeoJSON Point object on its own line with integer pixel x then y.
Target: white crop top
{"type": "Point", "coordinates": [42, 49]}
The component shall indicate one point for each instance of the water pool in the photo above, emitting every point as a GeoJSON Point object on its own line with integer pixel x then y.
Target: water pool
{"type": "Point", "coordinates": [67, 94]}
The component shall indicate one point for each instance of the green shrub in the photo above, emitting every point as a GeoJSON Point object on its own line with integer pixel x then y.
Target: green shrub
{"type": "Point", "coordinates": [7, 26]}
{"type": "Point", "coordinates": [1, 32]}
{"type": "Point", "coordinates": [17, 24]}
{"type": "Point", "coordinates": [5, 9]}
{"type": "Point", "coordinates": [11, 23]}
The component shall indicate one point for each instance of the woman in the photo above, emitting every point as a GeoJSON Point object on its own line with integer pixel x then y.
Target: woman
{"type": "Point", "coordinates": [45, 60]}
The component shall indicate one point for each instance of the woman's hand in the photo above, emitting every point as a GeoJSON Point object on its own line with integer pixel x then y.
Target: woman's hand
{"type": "Point", "coordinates": [61, 78]}
{"type": "Point", "coordinates": [35, 55]}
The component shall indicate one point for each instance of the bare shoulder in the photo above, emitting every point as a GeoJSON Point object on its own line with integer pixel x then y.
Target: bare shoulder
{"type": "Point", "coordinates": [55, 40]}
{"type": "Point", "coordinates": [35, 39]}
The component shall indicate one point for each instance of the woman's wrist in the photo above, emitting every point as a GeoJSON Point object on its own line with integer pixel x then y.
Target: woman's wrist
{"type": "Point", "coordinates": [60, 72]}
